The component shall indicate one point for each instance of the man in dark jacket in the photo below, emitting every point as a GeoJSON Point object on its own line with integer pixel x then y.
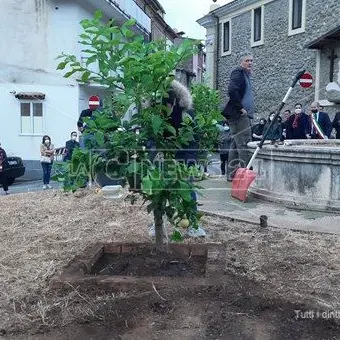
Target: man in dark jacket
{"type": "Point", "coordinates": [85, 140]}
{"type": "Point", "coordinates": [321, 125]}
{"type": "Point", "coordinates": [93, 106]}
{"type": "Point", "coordinates": [71, 145]}
{"type": "Point", "coordinates": [239, 111]}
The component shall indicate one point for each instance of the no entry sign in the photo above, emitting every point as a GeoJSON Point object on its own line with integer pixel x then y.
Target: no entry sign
{"type": "Point", "coordinates": [94, 102]}
{"type": "Point", "coordinates": [306, 80]}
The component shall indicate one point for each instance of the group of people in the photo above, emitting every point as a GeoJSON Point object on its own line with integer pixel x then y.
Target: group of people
{"type": "Point", "coordinates": [315, 124]}
{"type": "Point", "coordinates": [239, 113]}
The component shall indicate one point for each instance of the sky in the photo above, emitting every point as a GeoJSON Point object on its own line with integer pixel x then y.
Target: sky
{"type": "Point", "coordinates": [182, 15]}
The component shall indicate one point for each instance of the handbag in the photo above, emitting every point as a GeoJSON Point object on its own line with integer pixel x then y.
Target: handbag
{"type": "Point", "coordinates": [45, 159]}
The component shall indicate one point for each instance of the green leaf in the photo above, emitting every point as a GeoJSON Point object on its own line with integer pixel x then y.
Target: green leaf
{"type": "Point", "coordinates": [129, 23]}
{"type": "Point", "coordinates": [85, 76]}
{"type": "Point", "coordinates": [99, 136]}
{"type": "Point", "coordinates": [147, 185]}
{"type": "Point", "coordinates": [171, 129]}
{"type": "Point", "coordinates": [98, 14]}
{"type": "Point", "coordinates": [84, 36]}
{"type": "Point", "coordinates": [156, 123]}
{"type": "Point", "coordinates": [176, 236]}
{"type": "Point", "coordinates": [69, 74]}
{"type": "Point", "coordinates": [127, 32]}
{"type": "Point", "coordinates": [61, 65]}
{"type": "Point", "coordinates": [91, 60]}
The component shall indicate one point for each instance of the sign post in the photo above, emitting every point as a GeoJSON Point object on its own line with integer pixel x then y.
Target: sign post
{"type": "Point", "coordinates": [94, 102]}
{"type": "Point", "coordinates": [306, 80]}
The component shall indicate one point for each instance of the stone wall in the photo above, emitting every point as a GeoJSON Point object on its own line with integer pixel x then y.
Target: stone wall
{"type": "Point", "coordinates": [281, 56]}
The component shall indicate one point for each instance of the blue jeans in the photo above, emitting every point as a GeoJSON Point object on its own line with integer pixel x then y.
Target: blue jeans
{"type": "Point", "coordinates": [47, 167]}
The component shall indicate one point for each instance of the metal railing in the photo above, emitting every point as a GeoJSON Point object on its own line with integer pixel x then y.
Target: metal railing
{"type": "Point", "coordinates": [132, 10]}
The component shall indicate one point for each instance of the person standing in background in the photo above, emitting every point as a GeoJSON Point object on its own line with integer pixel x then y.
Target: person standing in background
{"type": "Point", "coordinates": [297, 125]}
{"type": "Point", "coordinates": [3, 177]}
{"type": "Point", "coordinates": [71, 145]}
{"type": "Point", "coordinates": [47, 157]}
{"type": "Point", "coordinates": [239, 112]}
{"type": "Point", "coordinates": [320, 123]}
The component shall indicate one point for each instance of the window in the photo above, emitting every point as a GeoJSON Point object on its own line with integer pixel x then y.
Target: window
{"type": "Point", "coordinates": [297, 9]}
{"type": "Point", "coordinates": [31, 114]}
{"type": "Point", "coordinates": [226, 38]}
{"type": "Point", "coordinates": [257, 25]}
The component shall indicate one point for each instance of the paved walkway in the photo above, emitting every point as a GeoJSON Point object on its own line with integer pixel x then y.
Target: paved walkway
{"type": "Point", "coordinates": [216, 199]}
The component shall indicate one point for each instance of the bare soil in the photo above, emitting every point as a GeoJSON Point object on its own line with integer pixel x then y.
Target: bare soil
{"type": "Point", "coordinates": [149, 263]}
{"type": "Point", "coordinates": [279, 284]}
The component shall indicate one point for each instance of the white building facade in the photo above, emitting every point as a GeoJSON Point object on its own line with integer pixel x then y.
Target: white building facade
{"type": "Point", "coordinates": [36, 99]}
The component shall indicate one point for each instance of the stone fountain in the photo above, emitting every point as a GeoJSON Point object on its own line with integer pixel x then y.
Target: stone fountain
{"type": "Point", "coordinates": [302, 174]}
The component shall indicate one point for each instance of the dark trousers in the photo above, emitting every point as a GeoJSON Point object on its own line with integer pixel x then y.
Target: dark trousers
{"type": "Point", "coordinates": [241, 135]}
{"type": "Point", "coordinates": [47, 167]}
{"type": "Point", "coordinates": [224, 161]}
{"type": "Point", "coordinates": [3, 181]}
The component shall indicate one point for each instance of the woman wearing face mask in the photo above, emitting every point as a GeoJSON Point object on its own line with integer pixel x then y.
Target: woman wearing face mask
{"type": "Point", "coordinates": [275, 131]}
{"type": "Point", "coordinates": [47, 156]}
{"type": "Point", "coordinates": [71, 145]}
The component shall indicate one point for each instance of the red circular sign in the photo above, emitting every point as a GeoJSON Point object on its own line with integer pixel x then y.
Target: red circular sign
{"type": "Point", "coordinates": [94, 102]}
{"type": "Point", "coordinates": [306, 80]}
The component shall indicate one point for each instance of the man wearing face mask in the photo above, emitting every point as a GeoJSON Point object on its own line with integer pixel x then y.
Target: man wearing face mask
{"type": "Point", "coordinates": [297, 125]}
{"type": "Point", "coordinates": [320, 123]}
{"type": "Point", "coordinates": [71, 145]}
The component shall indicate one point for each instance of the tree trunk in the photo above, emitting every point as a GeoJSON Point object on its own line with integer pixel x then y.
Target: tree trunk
{"type": "Point", "coordinates": [160, 234]}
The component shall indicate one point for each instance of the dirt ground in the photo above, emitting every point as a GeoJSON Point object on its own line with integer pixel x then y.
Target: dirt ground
{"type": "Point", "coordinates": [279, 284]}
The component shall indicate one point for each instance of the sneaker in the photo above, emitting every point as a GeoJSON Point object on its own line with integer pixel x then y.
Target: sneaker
{"type": "Point", "coordinates": [152, 232]}
{"type": "Point", "coordinates": [199, 232]}
{"type": "Point", "coordinates": [44, 187]}
{"type": "Point", "coordinates": [6, 192]}
{"type": "Point", "coordinates": [49, 186]}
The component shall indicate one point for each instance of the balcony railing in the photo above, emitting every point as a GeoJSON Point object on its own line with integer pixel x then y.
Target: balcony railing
{"type": "Point", "coordinates": [132, 10]}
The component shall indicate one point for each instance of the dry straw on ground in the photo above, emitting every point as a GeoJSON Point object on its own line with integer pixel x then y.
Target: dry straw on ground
{"type": "Point", "coordinates": [41, 232]}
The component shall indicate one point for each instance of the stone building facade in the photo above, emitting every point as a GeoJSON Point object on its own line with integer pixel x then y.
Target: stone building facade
{"type": "Point", "coordinates": [159, 28]}
{"type": "Point", "coordinates": [280, 35]}
{"type": "Point", "coordinates": [190, 71]}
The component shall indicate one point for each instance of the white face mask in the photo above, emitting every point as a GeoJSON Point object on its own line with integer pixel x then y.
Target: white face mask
{"type": "Point", "coordinates": [73, 137]}
{"type": "Point", "coordinates": [226, 128]}
{"type": "Point", "coordinates": [271, 118]}
{"type": "Point", "coordinates": [47, 141]}
{"type": "Point", "coordinates": [298, 111]}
